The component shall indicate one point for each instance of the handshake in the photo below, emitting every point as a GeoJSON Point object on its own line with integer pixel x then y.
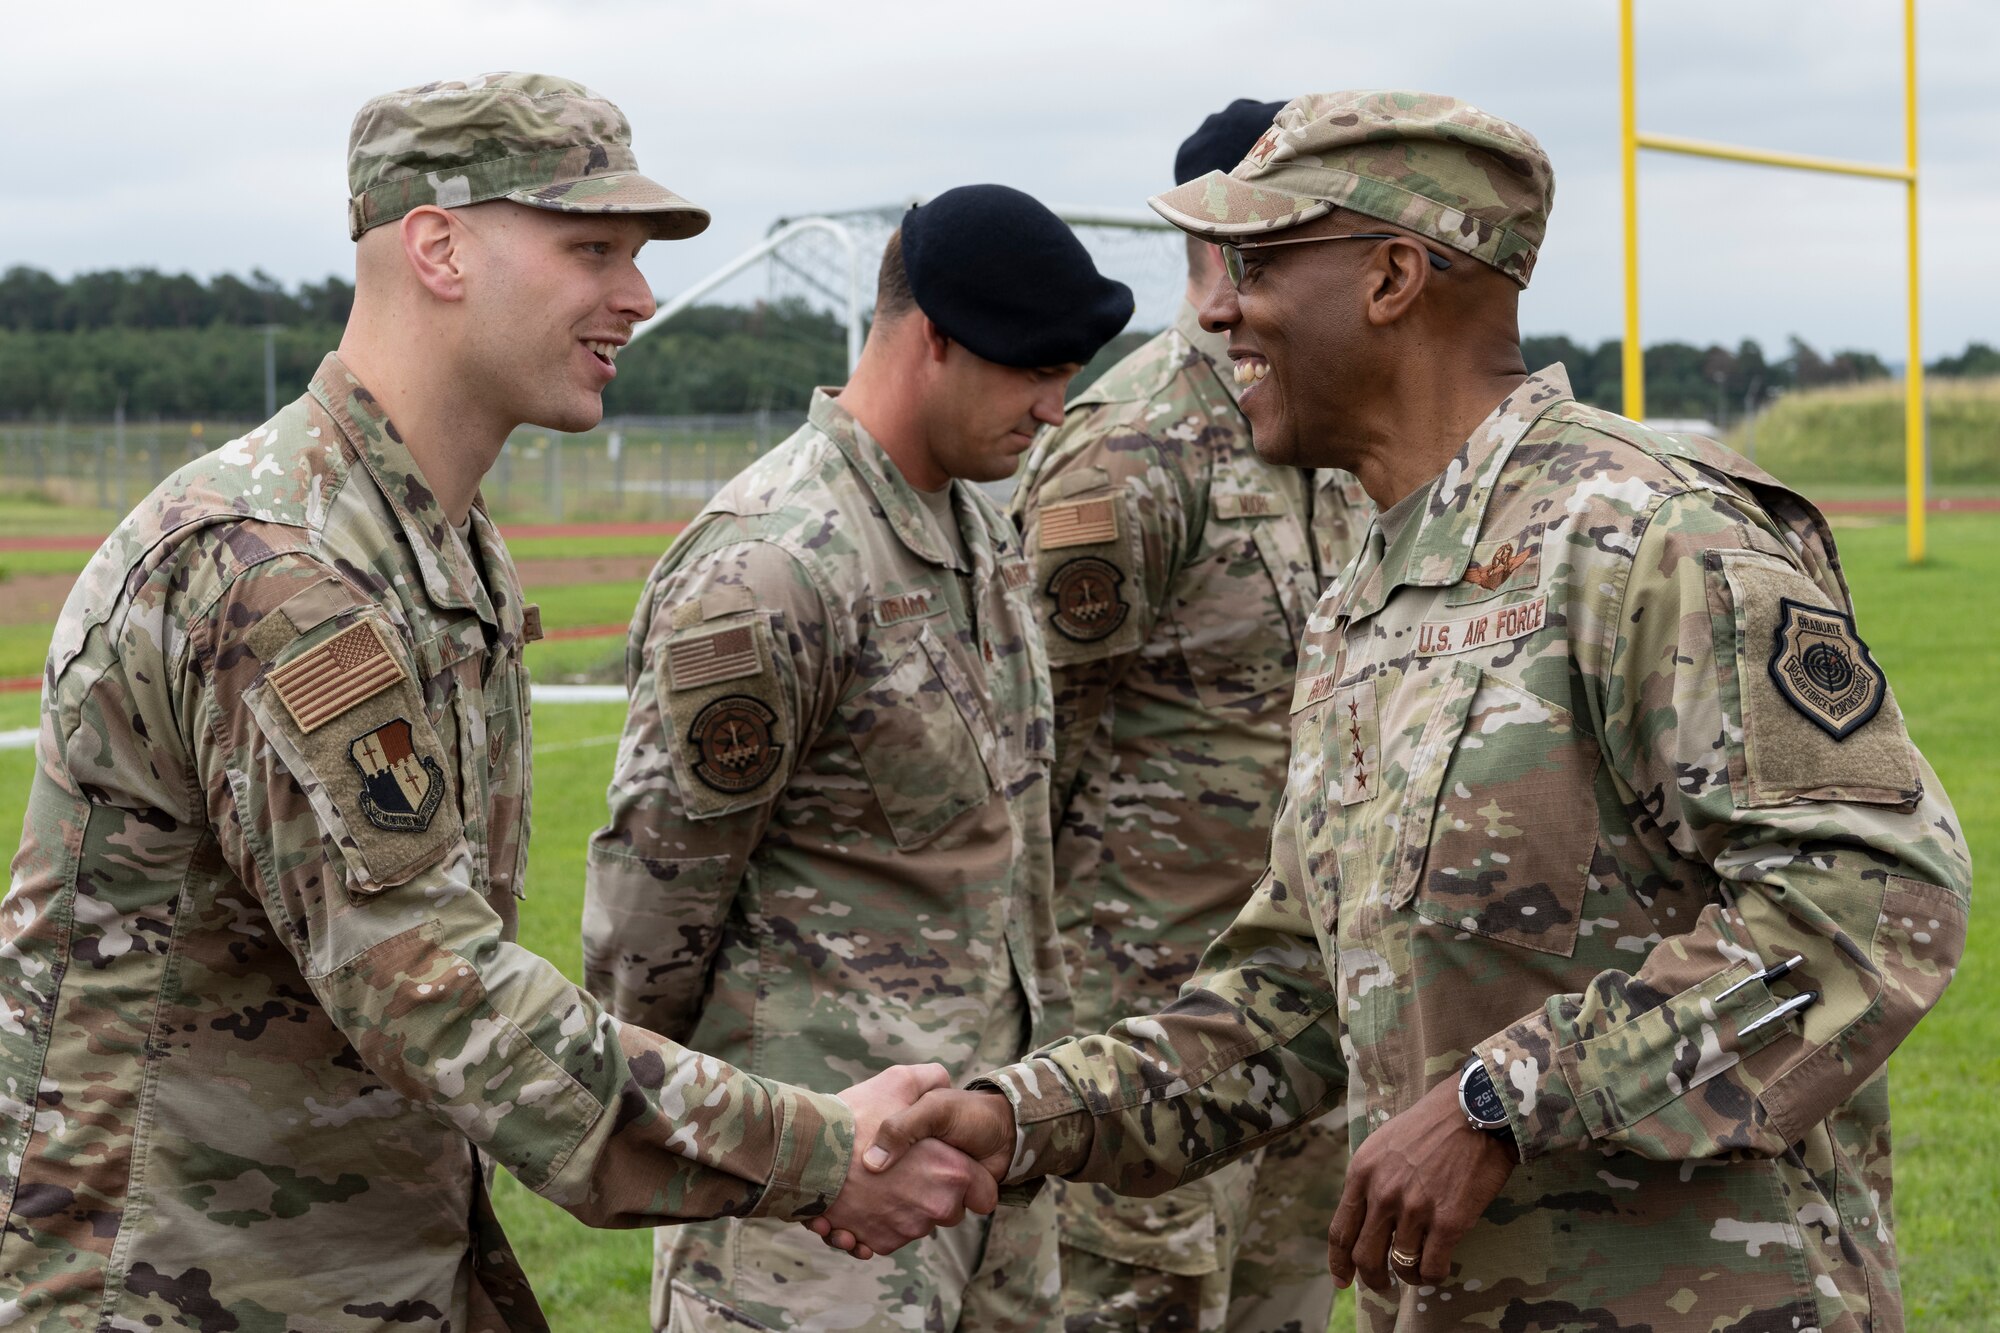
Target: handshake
{"type": "Point", "coordinates": [924, 1154]}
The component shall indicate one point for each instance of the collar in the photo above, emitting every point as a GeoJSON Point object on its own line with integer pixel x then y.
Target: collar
{"type": "Point", "coordinates": [1454, 509]}
{"type": "Point", "coordinates": [1214, 347]}
{"type": "Point", "coordinates": [445, 566]}
{"type": "Point", "coordinates": [893, 493]}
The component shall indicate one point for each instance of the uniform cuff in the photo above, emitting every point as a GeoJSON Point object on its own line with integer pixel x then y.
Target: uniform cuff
{"type": "Point", "coordinates": [1052, 1129]}
{"type": "Point", "coordinates": [1521, 1061]}
{"type": "Point", "coordinates": [815, 1148]}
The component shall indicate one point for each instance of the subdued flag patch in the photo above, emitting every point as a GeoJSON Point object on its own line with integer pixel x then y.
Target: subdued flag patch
{"type": "Point", "coordinates": [326, 681]}
{"type": "Point", "coordinates": [1080, 523]}
{"type": "Point", "coordinates": [724, 655]}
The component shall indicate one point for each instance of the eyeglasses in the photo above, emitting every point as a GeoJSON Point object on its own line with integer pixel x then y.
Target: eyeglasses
{"type": "Point", "coordinates": [1232, 255]}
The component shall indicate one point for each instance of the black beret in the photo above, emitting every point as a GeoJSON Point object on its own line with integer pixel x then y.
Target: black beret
{"type": "Point", "coordinates": [1000, 273]}
{"type": "Point", "coordinates": [1224, 139]}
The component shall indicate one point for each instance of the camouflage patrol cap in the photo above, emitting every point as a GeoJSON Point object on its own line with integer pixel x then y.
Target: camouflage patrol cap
{"type": "Point", "coordinates": [532, 138]}
{"type": "Point", "coordinates": [1431, 164]}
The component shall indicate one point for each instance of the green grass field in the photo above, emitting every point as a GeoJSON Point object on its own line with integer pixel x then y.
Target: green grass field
{"type": "Point", "coordinates": [1927, 630]}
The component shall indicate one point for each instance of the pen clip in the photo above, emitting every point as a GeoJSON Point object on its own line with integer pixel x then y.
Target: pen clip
{"type": "Point", "coordinates": [1784, 1008]}
{"type": "Point", "coordinates": [1767, 976]}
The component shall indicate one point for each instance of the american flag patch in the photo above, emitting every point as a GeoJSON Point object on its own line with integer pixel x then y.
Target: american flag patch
{"type": "Point", "coordinates": [723, 655]}
{"type": "Point", "coordinates": [322, 684]}
{"type": "Point", "coordinates": [1083, 523]}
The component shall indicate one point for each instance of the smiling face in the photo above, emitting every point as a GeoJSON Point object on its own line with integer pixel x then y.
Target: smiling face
{"type": "Point", "coordinates": [550, 298]}
{"type": "Point", "coordinates": [982, 416]}
{"type": "Point", "coordinates": [1297, 331]}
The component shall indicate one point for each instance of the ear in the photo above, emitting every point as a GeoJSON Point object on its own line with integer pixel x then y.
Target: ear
{"type": "Point", "coordinates": [936, 343]}
{"type": "Point", "coordinates": [1398, 274]}
{"type": "Point", "coordinates": [434, 245]}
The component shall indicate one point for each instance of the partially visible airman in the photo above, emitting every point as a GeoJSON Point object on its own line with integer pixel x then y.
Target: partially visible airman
{"type": "Point", "coordinates": [1175, 571]}
{"type": "Point", "coordinates": [828, 846]}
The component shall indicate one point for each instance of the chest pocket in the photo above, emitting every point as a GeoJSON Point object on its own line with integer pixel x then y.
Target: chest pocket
{"type": "Point", "coordinates": [1499, 817]}
{"type": "Point", "coordinates": [922, 735]}
{"type": "Point", "coordinates": [1228, 606]}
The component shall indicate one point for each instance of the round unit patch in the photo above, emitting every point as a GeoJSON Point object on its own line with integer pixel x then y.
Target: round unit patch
{"type": "Point", "coordinates": [735, 748]}
{"type": "Point", "coordinates": [1089, 605]}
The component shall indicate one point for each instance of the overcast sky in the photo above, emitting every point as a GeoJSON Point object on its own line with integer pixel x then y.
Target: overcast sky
{"type": "Point", "coordinates": [208, 137]}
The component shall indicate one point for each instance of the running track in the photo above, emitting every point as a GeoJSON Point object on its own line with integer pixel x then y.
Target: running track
{"type": "Point", "coordinates": [1982, 504]}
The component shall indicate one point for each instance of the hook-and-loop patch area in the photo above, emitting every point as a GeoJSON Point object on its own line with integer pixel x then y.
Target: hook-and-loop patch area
{"type": "Point", "coordinates": [1086, 564]}
{"type": "Point", "coordinates": [726, 713]}
{"type": "Point", "coordinates": [1817, 718]}
{"type": "Point", "coordinates": [341, 707]}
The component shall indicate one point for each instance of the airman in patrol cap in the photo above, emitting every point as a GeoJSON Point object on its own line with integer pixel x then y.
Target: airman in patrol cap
{"type": "Point", "coordinates": [1607, 877]}
{"type": "Point", "coordinates": [828, 846]}
{"type": "Point", "coordinates": [1173, 690]}
{"type": "Point", "coordinates": [263, 1023]}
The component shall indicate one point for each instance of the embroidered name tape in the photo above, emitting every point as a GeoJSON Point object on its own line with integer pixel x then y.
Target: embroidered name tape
{"type": "Point", "coordinates": [1079, 523]}
{"type": "Point", "coordinates": [353, 666]}
{"type": "Point", "coordinates": [1513, 621]}
{"type": "Point", "coordinates": [1246, 504]}
{"type": "Point", "coordinates": [907, 606]}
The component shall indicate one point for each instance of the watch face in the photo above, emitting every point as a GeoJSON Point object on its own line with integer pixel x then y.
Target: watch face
{"type": "Point", "coordinates": [1480, 1100]}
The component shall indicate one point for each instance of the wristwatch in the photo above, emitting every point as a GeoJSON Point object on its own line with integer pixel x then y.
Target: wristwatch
{"type": "Point", "coordinates": [1481, 1104]}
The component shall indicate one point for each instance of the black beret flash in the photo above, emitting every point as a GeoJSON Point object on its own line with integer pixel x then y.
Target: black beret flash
{"type": "Point", "coordinates": [998, 272]}
{"type": "Point", "coordinates": [1224, 139]}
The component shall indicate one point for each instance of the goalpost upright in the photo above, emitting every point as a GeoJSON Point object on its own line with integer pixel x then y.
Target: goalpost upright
{"type": "Point", "coordinates": [1633, 139]}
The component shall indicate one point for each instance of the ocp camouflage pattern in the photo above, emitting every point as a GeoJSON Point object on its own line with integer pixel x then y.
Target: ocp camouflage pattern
{"type": "Point", "coordinates": [260, 1038]}
{"type": "Point", "coordinates": [1172, 736]}
{"type": "Point", "coordinates": [1439, 887]}
{"type": "Point", "coordinates": [535, 139]}
{"type": "Point", "coordinates": [860, 880]}
{"type": "Point", "coordinates": [1436, 165]}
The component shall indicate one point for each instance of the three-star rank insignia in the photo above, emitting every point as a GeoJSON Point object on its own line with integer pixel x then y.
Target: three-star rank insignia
{"type": "Point", "coordinates": [1823, 669]}
{"type": "Point", "coordinates": [735, 744]}
{"type": "Point", "coordinates": [400, 788]}
{"type": "Point", "coordinates": [1089, 603]}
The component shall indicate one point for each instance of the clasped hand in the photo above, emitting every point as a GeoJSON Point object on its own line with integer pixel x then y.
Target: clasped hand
{"type": "Point", "coordinates": [906, 1185]}
{"type": "Point", "coordinates": [924, 1156]}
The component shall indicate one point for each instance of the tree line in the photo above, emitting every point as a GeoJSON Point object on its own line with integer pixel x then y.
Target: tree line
{"type": "Point", "coordinates": [172, 345]}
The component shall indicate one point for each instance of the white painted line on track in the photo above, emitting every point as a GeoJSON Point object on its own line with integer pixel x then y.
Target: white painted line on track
{"type": "Point", "coordinates": [579, 694]}
{"type": "Point", "coordinates": [20, 739]}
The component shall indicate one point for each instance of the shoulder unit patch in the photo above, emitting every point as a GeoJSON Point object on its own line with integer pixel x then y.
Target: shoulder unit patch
{"type": "Point", "coordinates": [400, 788]}
{"type": "Point", "coordinates": [1089, 603]}
{"type": "Point", "coordinates": [1823, 669]}
{"type": "Point", "coordinates": [734, 743]}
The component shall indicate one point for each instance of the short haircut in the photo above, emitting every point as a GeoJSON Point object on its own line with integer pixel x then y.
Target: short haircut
{"type": "Point", "coordinates": [893, 297]}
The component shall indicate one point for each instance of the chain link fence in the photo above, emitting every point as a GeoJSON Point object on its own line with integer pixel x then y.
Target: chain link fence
{"type": "Point", "coordinates": [630, 469]}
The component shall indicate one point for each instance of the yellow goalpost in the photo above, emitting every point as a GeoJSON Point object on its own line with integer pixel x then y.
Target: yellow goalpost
{"type": "Point", "coordinates": [1634, 139]}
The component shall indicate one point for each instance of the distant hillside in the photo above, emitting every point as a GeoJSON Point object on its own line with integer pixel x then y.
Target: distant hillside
{"type": "Point", "coordinates": [1853, 435]}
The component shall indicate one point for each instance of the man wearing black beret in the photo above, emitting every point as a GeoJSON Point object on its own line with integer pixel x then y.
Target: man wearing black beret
{"type": "Point", "coordinates": [1172, 739]}
{"type": "Point", "coordinates": [829, 845]}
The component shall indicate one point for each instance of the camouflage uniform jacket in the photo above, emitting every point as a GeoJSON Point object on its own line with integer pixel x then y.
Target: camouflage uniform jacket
{"type": "Point", "coordinates": [1565, 781]}
{"type": "Point", "coordinates": [828, 847]}
{"type": "Point", "coordinates": [261, 989]}
{"type": "Point", "coordinates": [1172, 705]}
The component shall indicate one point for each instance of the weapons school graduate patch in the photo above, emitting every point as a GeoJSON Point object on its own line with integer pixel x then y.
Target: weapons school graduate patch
{"type": "Point", "coordinates": [1089, 603]}
{"type": "Point", "coordinates": [400, 788]}
{"type": "Point", "coordinates": [734, 744]}
{"type": "Point", "coordinates": [1823, 669]}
